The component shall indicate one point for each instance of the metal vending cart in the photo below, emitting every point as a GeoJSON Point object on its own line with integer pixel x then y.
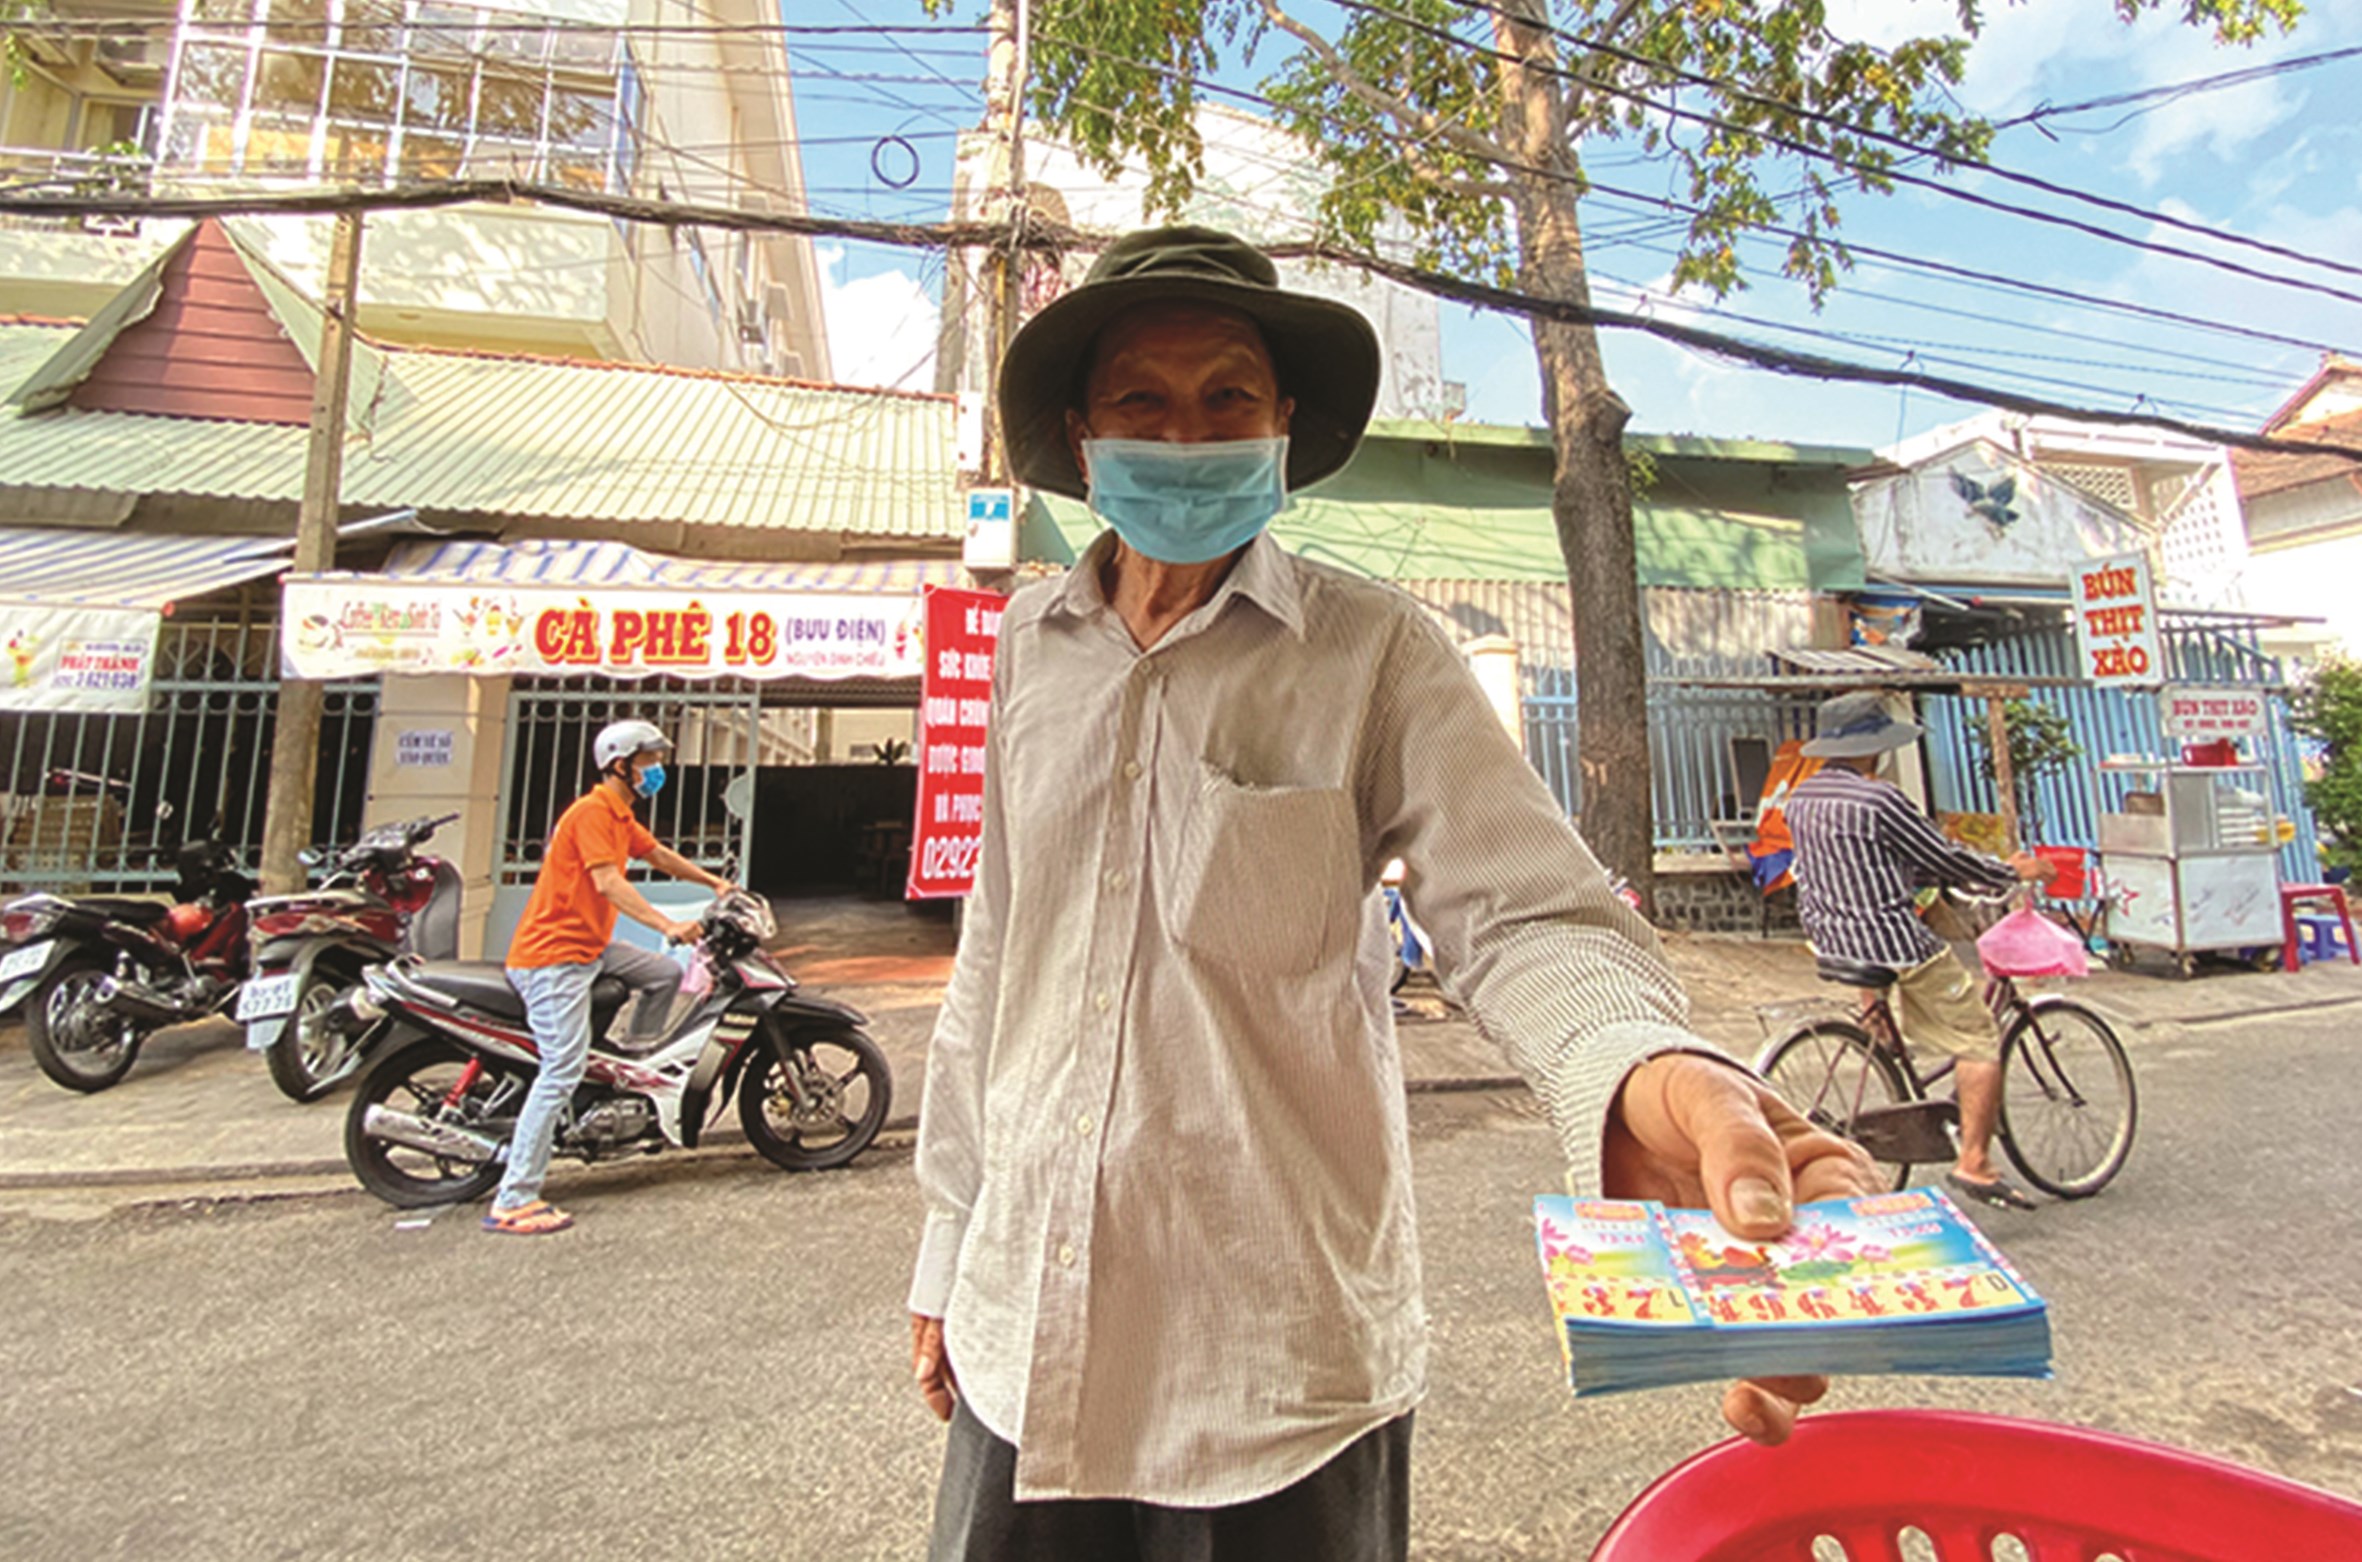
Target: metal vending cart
{"type": "Point", "coordinates": [2190, 857]}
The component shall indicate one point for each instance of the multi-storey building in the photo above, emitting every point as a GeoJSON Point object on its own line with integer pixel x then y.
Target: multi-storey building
{"type": "Point", "coordinates": [658, 98]}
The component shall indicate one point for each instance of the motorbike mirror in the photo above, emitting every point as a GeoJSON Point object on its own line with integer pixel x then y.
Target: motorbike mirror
{"type": "Point", "coordinates": [165, 811]}
{"type": "Point", "coordinates": [309, 856]}
{"type": "Point", "coordinates": [730, 867]}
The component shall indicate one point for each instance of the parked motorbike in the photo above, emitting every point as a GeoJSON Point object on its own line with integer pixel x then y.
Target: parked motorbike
{"type": "Point", "coordinates": [431, 1120]}
{"type": "Point", "coordinates": [103, 973]}
{"type": "Point", "coordinates": [380, 900]}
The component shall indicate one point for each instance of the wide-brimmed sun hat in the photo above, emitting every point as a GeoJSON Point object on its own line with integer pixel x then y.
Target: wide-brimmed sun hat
{"type": "Point", "coordinates": [1325, 352]}
{"type": "Point", "coordinates": [1852, 725]}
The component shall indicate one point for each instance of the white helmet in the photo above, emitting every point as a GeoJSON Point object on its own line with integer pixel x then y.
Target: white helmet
{"type": "Point", "coordinates": [623, 739]}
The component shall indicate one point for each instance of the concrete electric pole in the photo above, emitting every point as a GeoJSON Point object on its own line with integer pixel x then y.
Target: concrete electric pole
{"type": "Point", "coordinates": [295, 740]}
{"type": "Point", "coordinates": [1004, 292]}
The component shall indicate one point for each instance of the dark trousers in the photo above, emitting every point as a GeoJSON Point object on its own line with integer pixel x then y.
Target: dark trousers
{"type": "Point", "coordinates": [1355, 1508]}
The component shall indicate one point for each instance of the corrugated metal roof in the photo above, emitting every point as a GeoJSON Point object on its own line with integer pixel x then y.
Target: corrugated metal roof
{"type": "Point", "coordinates": [24, 347]}
{"type": "Point", "coordinates": [1868, 660]}
{"type": "Point", "coordinates": [59, 567]}
{"type": "Point", "coordinates": [529, 438]}
{"type": "Point", "coordinates": [577, 562]}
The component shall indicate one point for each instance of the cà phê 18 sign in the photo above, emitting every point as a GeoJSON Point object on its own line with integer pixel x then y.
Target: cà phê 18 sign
{"type": "Point", "coordinates": [2116, 624]}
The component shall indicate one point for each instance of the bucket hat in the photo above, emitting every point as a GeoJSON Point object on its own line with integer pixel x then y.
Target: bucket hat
{"type": "Point", "coordinates": [1852, 725]}
{"type": "Point", "coordinates": [1325, 352]}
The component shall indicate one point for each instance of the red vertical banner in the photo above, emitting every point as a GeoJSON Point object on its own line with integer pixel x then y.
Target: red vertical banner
{"type": "Point", "coordinates": [955, 694]}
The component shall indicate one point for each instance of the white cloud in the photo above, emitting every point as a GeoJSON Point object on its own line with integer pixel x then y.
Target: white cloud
{"type": "Point", "coordinates": [881, 327]}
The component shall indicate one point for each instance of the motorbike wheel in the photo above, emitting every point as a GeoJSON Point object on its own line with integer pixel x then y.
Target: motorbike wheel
{"type": "Point", "coordinates": [77, 1043]}
{"type": "Point", "coordinates": [307, 1060]}
{"type": "Point", "coordinates": [419, 1078]}
{"type": "Point", "coordinates": [846, 1089]}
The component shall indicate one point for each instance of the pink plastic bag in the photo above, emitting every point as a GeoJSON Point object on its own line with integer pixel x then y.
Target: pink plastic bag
{"type": "Point", "coordinates": [2027, 943]}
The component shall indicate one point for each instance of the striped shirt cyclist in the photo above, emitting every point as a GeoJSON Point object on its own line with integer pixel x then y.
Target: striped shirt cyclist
{"type": "Point", "coordinates": [1862, 853]}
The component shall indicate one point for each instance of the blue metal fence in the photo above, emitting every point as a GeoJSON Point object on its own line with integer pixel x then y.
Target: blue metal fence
{"type": "Point", "coordinates": [2109, 721]}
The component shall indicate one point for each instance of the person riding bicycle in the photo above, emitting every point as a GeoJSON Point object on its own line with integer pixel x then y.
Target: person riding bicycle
{"type": "Point", "coordinates": [562, 946]}
{"type": "Point", "coordinates": [1862, 854]}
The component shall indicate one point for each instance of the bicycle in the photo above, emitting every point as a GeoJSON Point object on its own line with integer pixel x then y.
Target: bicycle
{"type": "Point", "coordinates": [2069, 1107]}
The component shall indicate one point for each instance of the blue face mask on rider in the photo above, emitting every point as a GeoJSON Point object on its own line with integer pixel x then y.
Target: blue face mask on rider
{"type": "Point", "coordinates": [650, 781]}
{"type": "Point", "coordinates": [1187, 504]}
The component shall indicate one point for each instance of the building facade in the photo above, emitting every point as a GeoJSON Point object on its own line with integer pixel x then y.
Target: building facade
{"type": "Point", "coordinates": [656, 98]}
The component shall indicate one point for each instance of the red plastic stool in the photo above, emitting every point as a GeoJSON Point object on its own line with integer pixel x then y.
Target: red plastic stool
{"type": "Point", "coordinates": [2292, 896]}
{"type": "Point", "coordinates": [2068, 1495]}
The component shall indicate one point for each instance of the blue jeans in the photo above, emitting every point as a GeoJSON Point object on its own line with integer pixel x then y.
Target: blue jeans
{"type": "Point", "coordinates": [558, 1009]}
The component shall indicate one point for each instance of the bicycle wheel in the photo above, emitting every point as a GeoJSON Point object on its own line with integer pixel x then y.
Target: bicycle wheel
{"type": "Point", "coordinates": [2068, 1107]}
{"type": "Point", "coordinates": [1831, 1072]}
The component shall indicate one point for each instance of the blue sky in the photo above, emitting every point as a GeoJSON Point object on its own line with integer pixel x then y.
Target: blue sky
{"type": "Point", "coordinates": [2280, 159]}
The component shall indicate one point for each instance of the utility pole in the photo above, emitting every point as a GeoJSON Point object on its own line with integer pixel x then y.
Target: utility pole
{"type": "Point", "coordinates": [295, 740]}
{"type": "Point", "coordinates": [1004, 292]}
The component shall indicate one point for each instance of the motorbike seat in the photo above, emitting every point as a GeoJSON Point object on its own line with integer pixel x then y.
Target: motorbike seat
{"type": "Point", "coordinates": [120, 908]}
{"type": "Point", "coordinates": [480, 984]}
{"type": "Point", "coordinates": [1854, 973]}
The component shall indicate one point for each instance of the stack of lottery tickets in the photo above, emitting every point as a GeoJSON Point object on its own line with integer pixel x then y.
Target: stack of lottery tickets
{"type": "Point", "coordinates": [1897, 1282]}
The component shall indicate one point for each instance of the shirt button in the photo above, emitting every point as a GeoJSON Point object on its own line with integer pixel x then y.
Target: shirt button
{"type": "Point", "coordinates": [1118, 879]}
{"type": "Point", "coordinates": [1083, 1125]}
{"type": "Point", "coordinates": [1131, 770]}
{"type": "Point", "coordinates": [1102, 1000]}
{"type": "Point", "coordinates": [1066, 1255]}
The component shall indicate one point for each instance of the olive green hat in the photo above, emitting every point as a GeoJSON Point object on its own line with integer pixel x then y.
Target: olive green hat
{"type": "Point", "coordinates": [1325, 352]}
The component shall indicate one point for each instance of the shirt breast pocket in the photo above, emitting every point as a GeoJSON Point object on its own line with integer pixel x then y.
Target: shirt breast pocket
{"type": "Point", "coordinates": [1263, 878]}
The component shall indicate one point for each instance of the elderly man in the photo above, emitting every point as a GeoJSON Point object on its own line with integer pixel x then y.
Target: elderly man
{"type": "Point", "coordinates": [1863, 853]}
{"type": "Point", "coordinates": [1168, 1289]}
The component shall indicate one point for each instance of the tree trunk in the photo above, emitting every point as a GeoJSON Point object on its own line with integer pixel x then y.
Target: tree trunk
{"type": "Point", "coordinates": [1591, 499]}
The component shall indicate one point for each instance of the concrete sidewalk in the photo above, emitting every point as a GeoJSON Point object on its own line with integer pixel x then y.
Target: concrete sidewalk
{"type": "Point", "coordinates": [199, 1115]}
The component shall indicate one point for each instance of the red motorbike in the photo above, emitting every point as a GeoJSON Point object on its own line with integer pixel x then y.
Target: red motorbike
{"type": "Point", "coordinates": [104, 973]}
{"type": "Point", "coordinates": [381, 900]}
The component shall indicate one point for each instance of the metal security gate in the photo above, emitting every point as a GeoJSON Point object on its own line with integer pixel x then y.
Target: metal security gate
{"type": "Point", "coordinates": [81, 791]}
{"type": "Point", "coordinates": [706, 810]}
{"type": "Point", "coordinates": [2111, 721]}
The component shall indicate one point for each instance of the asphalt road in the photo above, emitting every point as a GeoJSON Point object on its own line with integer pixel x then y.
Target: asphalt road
{"type": "Point", "coordinates": [713, 1364]}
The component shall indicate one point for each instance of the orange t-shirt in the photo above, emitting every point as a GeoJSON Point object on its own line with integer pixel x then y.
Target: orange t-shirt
{"type": "Point", "coordinates": [568, 922]}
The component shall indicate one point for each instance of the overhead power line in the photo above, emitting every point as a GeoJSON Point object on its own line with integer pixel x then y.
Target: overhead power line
{"type": "Point", "coordinates": [1583, 184]}
{"type": "Point", "coordinates": [1945, 188]}
{"type": "Point", "coordinates": [1035, 234]}
{"type": "Point", "coordinates": [1870, 133]}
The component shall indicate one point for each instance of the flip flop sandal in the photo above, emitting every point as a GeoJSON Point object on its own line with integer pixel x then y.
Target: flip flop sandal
{"type": "Point", "coordinates": [2000, 1193]}
{"type": "Point", "coordinates": [537, 1219]}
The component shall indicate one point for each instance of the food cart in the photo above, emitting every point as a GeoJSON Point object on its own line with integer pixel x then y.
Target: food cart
{"type": "Point", "coordinates": [2191, 857]}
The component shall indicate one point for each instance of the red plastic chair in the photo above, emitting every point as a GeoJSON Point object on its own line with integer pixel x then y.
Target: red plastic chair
{"type": "Point", "coordinates": [2295, 897]}
{"type": "Point", "coordinates": [2068, 1495]}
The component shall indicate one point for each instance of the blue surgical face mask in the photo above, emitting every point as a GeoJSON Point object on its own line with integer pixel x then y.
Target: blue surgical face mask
{"type": "Point", "coordinates": [1187, 504]}
{"type": "Point", "coordinates": [650, 781]}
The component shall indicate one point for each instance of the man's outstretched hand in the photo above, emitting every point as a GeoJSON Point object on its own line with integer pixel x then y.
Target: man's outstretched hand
{"type": "Point", "coordinates": [931, 1367]}
{"type": "Point", "coordinates": [1687, 1131]}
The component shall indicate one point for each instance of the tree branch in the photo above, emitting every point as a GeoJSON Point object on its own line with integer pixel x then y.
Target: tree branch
{"type": "Point", "coordinates": [1411, 118]}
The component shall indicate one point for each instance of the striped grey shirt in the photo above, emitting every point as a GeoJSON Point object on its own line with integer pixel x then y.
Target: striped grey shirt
{"type": "Point", "coordinates": [1164, 1152]}
{"type": "Point", "coordinates": [1862, 854]}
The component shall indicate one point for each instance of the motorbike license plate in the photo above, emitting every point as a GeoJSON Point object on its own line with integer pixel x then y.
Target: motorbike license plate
{"type": "Point", "coordinates": [24, 962]}
{"type": "Point", "coordinates": [267, 997]}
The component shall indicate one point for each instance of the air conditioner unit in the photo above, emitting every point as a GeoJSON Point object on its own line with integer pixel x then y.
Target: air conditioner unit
{"type": "Point", "coordinates": [752, 327]}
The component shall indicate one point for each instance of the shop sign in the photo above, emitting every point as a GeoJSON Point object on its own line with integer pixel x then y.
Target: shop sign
{"type": "Point", "coordinates": [2214, 713]}
{"type": "Point", "coordinates": [351, 628]}
{"type": "Point", "coordinates": [75, 659]}
{"type": "Point", "coordinates": [955, 699]}
{"type": "Point", "coordinates": [2116, 624]}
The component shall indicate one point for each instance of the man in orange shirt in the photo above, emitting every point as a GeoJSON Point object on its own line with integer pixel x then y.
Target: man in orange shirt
{"type": "Point", "coordinates": [561, 946]}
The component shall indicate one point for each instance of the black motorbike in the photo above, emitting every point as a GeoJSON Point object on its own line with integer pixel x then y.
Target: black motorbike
{"type": "Point", "coordinates": [432, 1117]}
{"type": "Point", "coordinates": [380, 899]}
{"type": "Point", "coordinates": [105, 972]}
